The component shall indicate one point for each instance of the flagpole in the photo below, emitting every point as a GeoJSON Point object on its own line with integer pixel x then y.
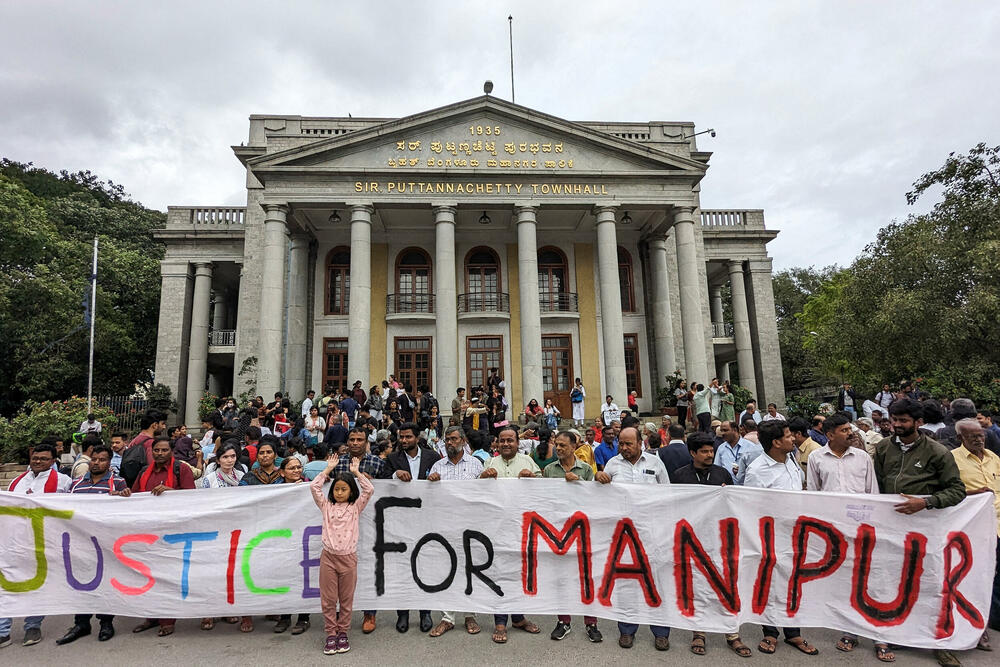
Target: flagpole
{"type": "Point", "coordinates": [510, 29]}
{"type": "Point", "coordinates": [93, 316]}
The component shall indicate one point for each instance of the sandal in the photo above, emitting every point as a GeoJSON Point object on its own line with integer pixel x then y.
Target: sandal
{"type": "Point", "coordinates": [471, 626]}
{"type": "Point", "coordinates": [767, 645]}
{"type": "Point", "coordinates": [698, 643]}
{"type": "Point", "coordinates": [739, 648]}
{"type": "Point", "coordinates": [847, 644]}
{"type": "Point", "coordinates": [527, 626]}
{"type": "Point", "coordinates": [884, 653]}
{"type": "Point", "coordinates": [440, 629]}
{"type": "Point", "coordinates": [984, 642]}
{"type": "Point", "coordinates": [500, 635]}
{"type": "Point", "coordinates": [165, 631]}
{"type": "Point", "coordinates": [300, 627]}
{"type": "Point", "coordinates": [145, 625]}
{"type": "Point", "coordinates": [207, 623]}
{"type": "Point", "coordinates": [246, 624]}
{"type": "Point", "coordinates": [803, 646]}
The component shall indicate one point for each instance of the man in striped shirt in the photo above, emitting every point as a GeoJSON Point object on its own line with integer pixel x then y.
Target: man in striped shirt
{"type": "Point", "coordinates": [457, 465]}
{"type": "Point", "coordinates": [100, 479]}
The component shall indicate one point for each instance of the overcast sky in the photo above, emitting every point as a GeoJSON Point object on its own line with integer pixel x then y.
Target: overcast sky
{"type": "Point", "coordinates": [826, 112]}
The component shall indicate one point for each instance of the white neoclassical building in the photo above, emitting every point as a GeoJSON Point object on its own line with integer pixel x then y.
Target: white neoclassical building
{"type": "Point", "coordinates": [481, 234]}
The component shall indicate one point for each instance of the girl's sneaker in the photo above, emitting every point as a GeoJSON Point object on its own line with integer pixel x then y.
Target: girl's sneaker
{"type": "Point", "coordinates": [331, 645]}
{"type": "Point", "coordinates": [343, 646]}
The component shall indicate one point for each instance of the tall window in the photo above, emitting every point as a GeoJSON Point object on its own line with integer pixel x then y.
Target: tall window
{"type": "Point", "coordinates": [413, 282]}
{"type": "Point", "coordinates": [413, 361]}
{"type": "Point", "coordinates": [483, 353]}
{"type": "Point", "coordinates": [625, 280]}
{"type": "Point", "coordinates": [482, 277]}
{"type": "Point", "coordinates": [632, 381]}
{"type": "Point", "coordinates": [338, 280]}
{"type": "Point", "coordinates": [552, 280]}
{"type": "Point", "coordinates": [335, 363]}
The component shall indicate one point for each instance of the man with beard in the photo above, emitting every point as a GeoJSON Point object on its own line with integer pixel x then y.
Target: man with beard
{"type": "Point", "coordinates": [99, 479]}
{"type": "Point", "coordinates": [457, 465]}
{"type": "Point", "coordinates": [411, 462]}
{"type": "Point", "coordinates": [921, 470]}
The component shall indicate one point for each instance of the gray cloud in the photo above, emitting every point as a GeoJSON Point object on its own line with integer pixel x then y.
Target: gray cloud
{"type": "Point", "coordinates": [825, 112]}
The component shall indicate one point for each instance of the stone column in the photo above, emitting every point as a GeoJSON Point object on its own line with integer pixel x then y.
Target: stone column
{"type": "Point", "coordinates": [724, 371]}
{"type": "Point", "coordinates": [298, 287]}
{"type": "Point", "coordinates": [741, 327]}
{"type": "Point", "coordinates": [198, 346]}
{"type": "Point", "coordinates": [715, 292]}
{"type": "Point", "coordinates": [689, 282]}
{"type": "Point", "coordinates": [359, 309]}
{"type": "Point", "coordinates": [172, 330]}
{"type": "Point", "coordinates": [214, 384]}
{"type": "Point", "coordinates": [445, 307]}
{"type": "Point", "coordinates": [272, 300]}
{"type": "Point", "coordinates": [770, 380]}
{"type": "Point", "coordinates": [663, 326]}
{"type": "Point", "coordinates": [612, 328]}
{"type": "Point", "coordinates": [531, 315]}
{"type": "Point", "coordinates": [219, 320]}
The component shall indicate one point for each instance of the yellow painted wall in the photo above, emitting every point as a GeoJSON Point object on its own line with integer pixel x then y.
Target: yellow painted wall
{"type": "Point", "coordinates": [589, 363]}
{"type": "Point", "coordinates": [380, 288]}
{"type": "Point", "coordinates": [515, 398]}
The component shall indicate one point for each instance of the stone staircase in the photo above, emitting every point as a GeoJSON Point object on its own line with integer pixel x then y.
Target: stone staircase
{"type": "Point", "coordinates": [8, 471]}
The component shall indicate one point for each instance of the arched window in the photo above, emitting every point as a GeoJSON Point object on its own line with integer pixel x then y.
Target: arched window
{"type": "Point", "coordinates": [338, 280]}
{"type": "Point", "coordinates": [482, 280]}
{"type": "Point", "coordinates": [625, 280]}
{"type": "Point", "coordinates": [553, 280]}
{"type": "Point", "coordinates": [413, 282]}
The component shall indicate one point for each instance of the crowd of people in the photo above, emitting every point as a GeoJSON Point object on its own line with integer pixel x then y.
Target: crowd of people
{"type": "Point", "coordinates": [342, 440]}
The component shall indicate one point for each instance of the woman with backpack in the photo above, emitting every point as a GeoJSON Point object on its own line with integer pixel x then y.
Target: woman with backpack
{"type": "Point", "coordinates": [576, 397]}
{"type": "Point", "coordinates": [552, 414]}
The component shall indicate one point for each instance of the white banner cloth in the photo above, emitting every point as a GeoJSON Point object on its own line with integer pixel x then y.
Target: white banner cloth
{"type": "Point", "coordinates": [707, 558]}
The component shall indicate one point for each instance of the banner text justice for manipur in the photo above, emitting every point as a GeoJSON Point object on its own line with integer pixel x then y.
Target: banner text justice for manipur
{"type": "Point", "coordinates": [707, 558]}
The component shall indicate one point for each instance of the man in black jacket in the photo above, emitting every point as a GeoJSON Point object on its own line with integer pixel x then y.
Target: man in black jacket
{"type": "Point", "coordinates": [408, 463]}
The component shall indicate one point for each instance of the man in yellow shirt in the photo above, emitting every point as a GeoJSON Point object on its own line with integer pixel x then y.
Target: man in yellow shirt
{"type": "Point", "coordinates": [980, 471]}
{"type": "Point", "coordinates": [805, 445]}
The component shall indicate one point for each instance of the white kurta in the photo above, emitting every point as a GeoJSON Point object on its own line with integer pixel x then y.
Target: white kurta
{"type": "Point", "coordinates": [578, 408]}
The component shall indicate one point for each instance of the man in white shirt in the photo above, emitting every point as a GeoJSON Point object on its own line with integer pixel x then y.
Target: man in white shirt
{"type": "Point", "coordinates": [777, 468]}
{"type": "Point", "coordinates": [609, 411]}
{"type": "Point", "coordinates": [40, 477]}
{"type": "Point", "coordinates": [632, 465]}
{"type": "Point", "coordinates": [307, 402]}
{"type": "Point", "coordinates": [772, 414]}
{"type": "Point", "coordinates": [735, 452]}
{"type": "Point", "coordinates": [751, 411]}
{"type": "Point", "coordinates": [90, 424]}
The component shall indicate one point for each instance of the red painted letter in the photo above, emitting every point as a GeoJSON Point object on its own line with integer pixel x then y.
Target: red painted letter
{"type": "Point", "coordinates": [136, 565]}
{"type": "Point", "coordinates": [638, 569]}
{"type": "Point", "coordinates": [949, 591]}
{"type": "Point", "coordinates": [688, 548]}
{"type": "Point", "coordinates": [762, 585]}
{"type": "Point", "coordinates": [883, 614]}
{"type": "Point", "coordinates": [833, 556]}
{"type": "Point", "coordinates": [576, 529]}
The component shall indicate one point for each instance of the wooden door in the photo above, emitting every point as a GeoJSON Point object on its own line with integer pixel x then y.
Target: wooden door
{"type": "Point", "coordinates": [413, 361]}
{"type": "Point", "coordinates": [557, 371]}
{"type": "Point", "coordinates": [335, 363]}
{"type": "Point", "coordinates": [482, 353]}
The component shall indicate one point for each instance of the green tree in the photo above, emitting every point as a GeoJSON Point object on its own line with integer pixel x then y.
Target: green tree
{"type": "Point", "coordinates": [923, 299]}
{"type": "Point", "coordinates": [48, 223]}
{"type": "Point", "coordinates": [792, 289]}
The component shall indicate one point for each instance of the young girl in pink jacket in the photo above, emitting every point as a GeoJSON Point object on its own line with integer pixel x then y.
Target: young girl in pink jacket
{"type": "Point", "coordinates": [338, 570]}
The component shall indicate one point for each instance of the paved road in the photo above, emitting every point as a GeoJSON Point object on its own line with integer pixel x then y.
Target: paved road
{"type": "Point", "coordinates": [225, 645]}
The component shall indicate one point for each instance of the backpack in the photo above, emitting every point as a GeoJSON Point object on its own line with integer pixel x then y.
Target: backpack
{"type": "Point", "coordinates": [133, 461]}
{"type": "Point", "coordinates": [576, 395]}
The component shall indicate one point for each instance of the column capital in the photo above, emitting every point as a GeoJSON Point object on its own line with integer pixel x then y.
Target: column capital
{"type": "Point", "coordinates": [525, 213]}
{"type": "Point", "coordinates": [735, 266]}
{"type": "Point", "coordinates": [202, 268]}
{"type": "Point", "coordinates": [362, 212]}
{"type": "Point", "coordinates": [444, 206]}
{"type": "Point", "coordinates": [683, 214]}
{"type": "Point", "coordinates": [275, 211]}
{"type": "Point", "coordinates": [297, 242]}
{"type": "Point", "coordinates": [658, 241]}
{"type": "Point", "coordinates": [603, 211]}
{"type": "Point", "coordinates": [715, 290]}
{"type": "Point", "coordinates": [444, 214]}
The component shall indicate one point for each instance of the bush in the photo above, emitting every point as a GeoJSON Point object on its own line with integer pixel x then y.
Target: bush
{"type": "Point", "coordinates": [665, 394]}
{"type": "Point", "coordinates": [36, 420]}
{"type": "Point", "coordinates": [160, 397]}
{"type": "Point", "coordinates": [801, 405]}
{"type": "Point", "coordinates": [741, 396]}
{"type": "Point", "coordinates": [206, 406]}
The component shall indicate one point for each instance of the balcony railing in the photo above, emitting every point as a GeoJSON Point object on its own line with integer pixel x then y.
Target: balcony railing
{"type": "Point", "coordinates": [484, 302]}
{"type": "Point", "coordinates": [558, 302]}
{"type": "Point", "coordinates": [722, 329]}
{"type": "Point", "coordinates": [738, 219]}
{"type": "Point", "coordinates": [409, 303]}
{"type": "Point", "coordinates": [222, 338]}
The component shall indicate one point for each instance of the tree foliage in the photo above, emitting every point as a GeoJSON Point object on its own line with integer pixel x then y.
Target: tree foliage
{"type": "Point", "coordinates": [922, 300]}
{"type": "Point", "coordinates": [792, 290]}
{"type": "Point", "coordinates": [48, 223]}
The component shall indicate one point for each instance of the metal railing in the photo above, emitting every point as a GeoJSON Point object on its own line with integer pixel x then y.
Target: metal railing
{"type": "Point", "coordinates": [722, 329]}
{"type": "Point", "coordinates": [409, 303]}
{"type": "Point", "coordinates": [484, 302]}
{"type": "Point", "coordinates": [558, 302]}
{"type": "Point", "coordinates": [222, 338]}
{"type": "Point", "coordinates": [127, 409]}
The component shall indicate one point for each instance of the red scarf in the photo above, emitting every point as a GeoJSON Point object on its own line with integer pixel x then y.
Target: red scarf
{"type": "Point", "coordinates": [171, 481]}
{"type": "Point", "coordinates": [51, 482]}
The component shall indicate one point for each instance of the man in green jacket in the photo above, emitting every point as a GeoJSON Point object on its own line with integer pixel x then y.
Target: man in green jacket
{"type": "Point", "coordinates": [920, 469]}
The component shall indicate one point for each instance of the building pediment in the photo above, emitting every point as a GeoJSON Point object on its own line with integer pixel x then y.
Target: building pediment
{"type": "Point", "coordinates": [481, 135]}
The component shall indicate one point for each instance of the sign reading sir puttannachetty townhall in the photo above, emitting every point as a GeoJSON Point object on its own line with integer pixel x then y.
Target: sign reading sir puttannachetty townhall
{"type": "Point", "coordinates": [482, 234]}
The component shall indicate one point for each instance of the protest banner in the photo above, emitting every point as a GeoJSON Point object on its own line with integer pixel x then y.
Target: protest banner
{"type": "Point", "coordinates": [707, 558]}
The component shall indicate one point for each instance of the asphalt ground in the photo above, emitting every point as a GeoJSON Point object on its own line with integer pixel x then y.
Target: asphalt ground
{"type": "Point", "coordinates": [226, 645]}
